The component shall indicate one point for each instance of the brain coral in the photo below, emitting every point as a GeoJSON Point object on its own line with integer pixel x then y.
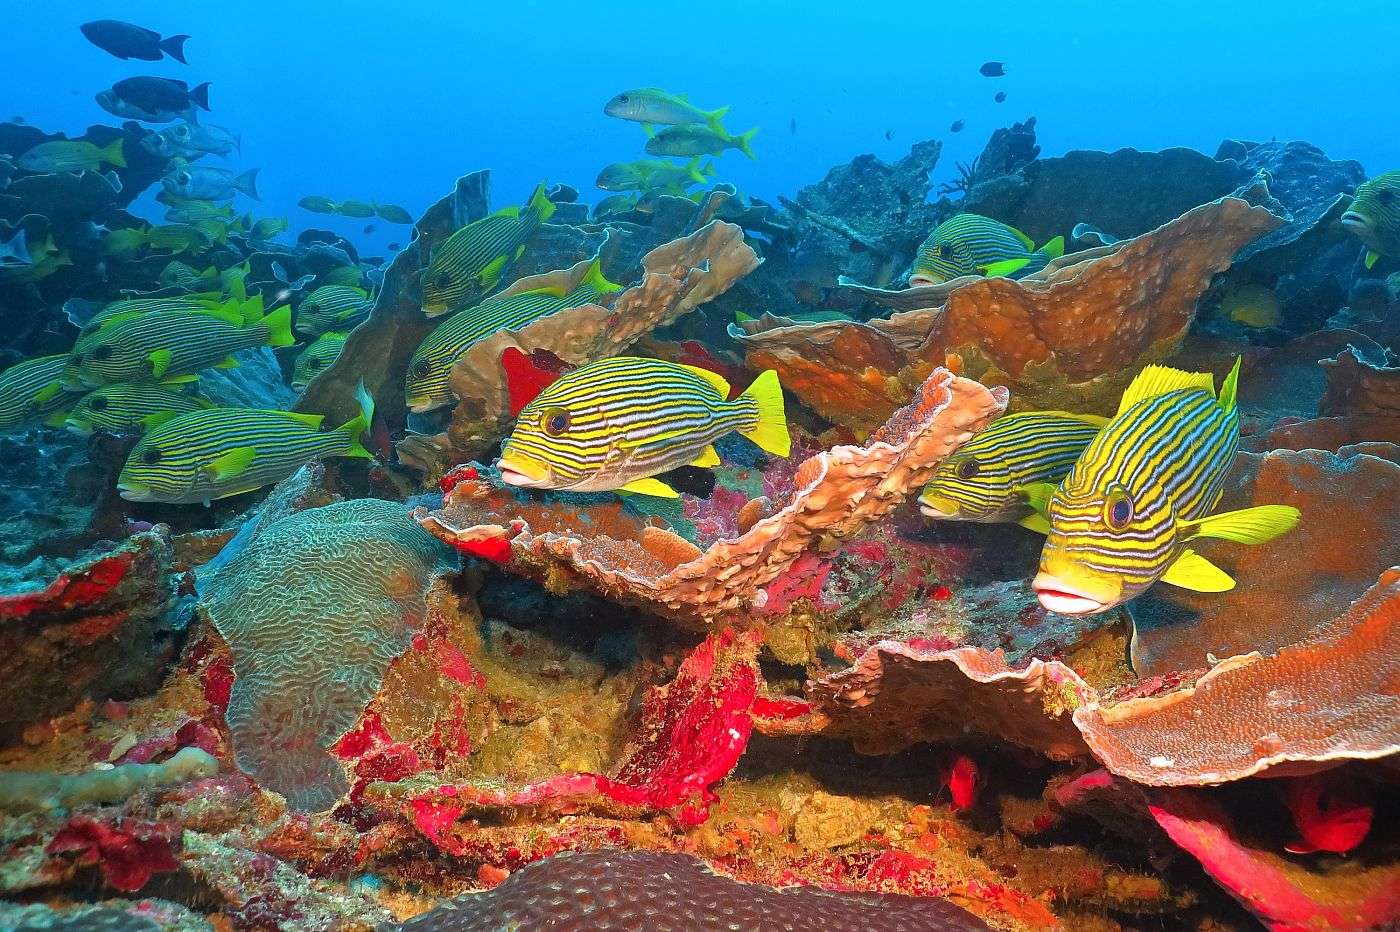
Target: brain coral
{"type": "Point", "coordinates": [314, 610]}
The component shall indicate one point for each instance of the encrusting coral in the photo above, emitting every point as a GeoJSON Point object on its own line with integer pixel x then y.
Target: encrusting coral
{"type": "Point", "coordinates": [834, 494]}
{"type": "Point", "coordinates": [58, 790]}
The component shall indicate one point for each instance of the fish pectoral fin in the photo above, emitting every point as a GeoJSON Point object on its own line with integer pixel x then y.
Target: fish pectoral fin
{"type": "Point", "coordinates": [708, 458]}
{"type": "Point", "coordinates": [1247, 525]}
{"type": "Point", "coordinates": [1005, 267]}
{"type": "Point", "coordinates": [649, 129]}
{"type": "Point", "coordinates": [228, 362]}
{"type": "Point", "coordinates": [1036, 522]}
{"type": "Point", "coordinates": [48, 392]}
{"type": "Point", "coordinates": [1038, 495]}
{"type": "Point", "coordinates": [157, 419]}
{"type": "Point", "coordinates": [650, 487]}
{"type": "Point", "coordinates": [1372, 257]}
{"type": "Point", "coordinates": [1193, 571]}
{"type": "Point", "coordinates": [232, 463]}
{"type": "Point", "coordinates": [160, 361]}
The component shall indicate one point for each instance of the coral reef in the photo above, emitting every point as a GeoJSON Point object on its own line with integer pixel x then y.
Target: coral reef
{"type": "Point", "coordinates": [64, 791]}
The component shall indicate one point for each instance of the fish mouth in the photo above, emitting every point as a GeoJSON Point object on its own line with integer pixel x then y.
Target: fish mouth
{"type": "Point", "coordinates": [525, 475]}
{"type": "Point", "coordinates": [916, 281]}
{"type": "Point", "coordinates": [1058, 596]}
{"type": "Point", "coordinates": [134, 493]}
{"type": "Point", "coordinates": [423, 405]}
{"type": "Point", "coordinates": [932, 507]}
{"type": "Point", "coordinates": [1355, 221]}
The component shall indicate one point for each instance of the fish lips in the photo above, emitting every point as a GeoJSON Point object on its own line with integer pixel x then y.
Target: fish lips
{"type": "Point", "coordinates": [1356, 222]}
{"type": "Point", "coordinates": [1064, 598]}
{"type": "Point", "coordinates": [917, 281]}
{"type": "Point", "coordinates": [522, 474]}
{"type": "Point", "coordinates": [134, 492]}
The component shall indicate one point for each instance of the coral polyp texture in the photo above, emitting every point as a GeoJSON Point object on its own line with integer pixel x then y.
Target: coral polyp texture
{"type": "Point", "coordinates": [833, 495]}
{"type": "Point", "coordinates": [314, 608]}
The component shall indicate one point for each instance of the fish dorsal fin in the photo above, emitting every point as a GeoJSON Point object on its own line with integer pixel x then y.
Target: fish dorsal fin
{"type": "Point", "coordinates": [1025, 240]}
{"type": "Point", "coordinates": [1097, 420]}
{"type": "Point", "coordinates": [310, 420]}
{"type": "Point", "coordinates": [1247, 525]}
{"type": "Point", "coordinates": [1158, 380]}
{"type": "Point", "coordinates": [1229, 389]}
{"type": "Point", "coordinates": [709, 457]}
{"type": "Point", "coordinates": [554, 291]}
{"type": "Point", "coordinates": [1193, 571]}
{"type": "Point", "coordinates": [650, 487]}
{"type": "Point", "coordinates": [720, 384]}
{"type": "Point", "coordinates": [232, 463]}
{"type": "Point", "coordinates": [512, 211]}
{"type": "Point", "coordinates": [160, 361]}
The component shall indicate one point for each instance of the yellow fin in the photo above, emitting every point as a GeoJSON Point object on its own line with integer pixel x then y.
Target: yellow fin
{"type": "Point", "coordinates": [554, 291]}
{"type": "Point", "coordinates": [1193, 571]}
{"type": "Point", "coordinates": [511, 211]}
{"type": "Point", "coordinates": [48, 392]}
{"type": "Point", "coordinates": [160, 361]}
{"type": "Point", "coordinates": [1372, 257]}
{"type": "Point", "coordinates": [708, 458]}
{"type": "Point", "coordinates": [158, 418]}
{"type": "Point", "coordinates": [1229, 389]}
{"type": "Point", "coordinates": [1025, 240]}
{"type": "Point", "coordinates": [1037, 522]}
{"type": "Point", "coordinates": [1038, 495]}
{"type": "Point", "coordinates": [1158, 380]}
{"type": "Point", "coordinates": [492, 273]}
{"type": "Point", "coordinates": [228, 362]}
{"type": "Point", "coordinates": [771, 431]}
{"type": "Point", "coordinates": [1098, 420]}
{"type": "Point", "coordinates": [1053, 248]}
{"type": "Point", "coordinates": [1005, 267]}
{"type": "Point", "coordinates": [650, 487]}
{"type": "Point", "coordinates": [1247, 525]}
{"type": "Point", "coordinates": [310, 420]}
{"type": "Point", "coordinates": [232, 463]}
{"type": "Point", "coordinates": [714, 378]}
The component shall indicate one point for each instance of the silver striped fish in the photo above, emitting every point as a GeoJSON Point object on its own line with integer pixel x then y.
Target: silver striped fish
{"type": "Point", "coordinates": [126, 406]}
{"type": "Point", "coordinates": [31, 390]}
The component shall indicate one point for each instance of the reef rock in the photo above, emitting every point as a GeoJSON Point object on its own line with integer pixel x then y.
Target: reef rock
{"type": "Point", "coordinates": [833, 495]}
{"type": "Point", "coordinates": [314, 608]}
{"type": "Point", "coordinates": [1070, 336]}
{"type": "Point", "coordinates": [1356, 386]}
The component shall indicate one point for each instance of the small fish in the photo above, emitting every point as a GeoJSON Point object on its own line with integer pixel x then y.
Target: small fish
{"type": "Point", "coordinates": [155, 346]}
{"type": "Point", "coordinates": [698, 139]}
{"type": "Point", "coordinates": [957, 126]}
{"type": "Point", "coordinates": [653, 105]}
{"type": "Point", "coordinates": [31, 390]}
{"type": "Point", "coordinates": [127, 41]}
{"type": "Point", "coordinates": [426, 385]}
{"type": "Point", "coordinates": [992, 69]}
{"type": "Point", "coordinates": [153, 100]}
{"type": "Point", "coordinates": [318, 205]}
{"type": "Point", "coordinates": [393, 213]}
{"type": "Point", "coordinates": [64, 155]}
{"type": "Point", "coordinates": [1253, 306]}
{"type": "Point", "coordinates": [651, 174]}
{"type": "Point", "coordinates": [197, 211]}
{"type": "Point", "coordinates": [889, 135]}
{"type": "Point", "coordinates": [197, 182]}
{"type": "Point", "coordinates": [394, 247]}
{"type": "Point", "coordinates": [268, 227]}
{"type": "Point", "coordinates": [1144, 488]}
{"type": "Point", "coordinates": [1328, 817]}
{"type": "Point", "coordinates": [369, 228]}
{"type": "Point", "coordinates": [792, 126]}
{"type": "Point", "coordinates": [218, 452]}
{"type": "Point", "coordinates": [332, 307]}
{"type": "Point", "coordinates": [1000, 97]}
{"type": "Point", "coordinates": [192, 140]}
{"type": "Point", "coordinates": [358, 209]}
{"type": "Point", "coordinates": [14, 252]}
{"type": "Point", "coordinates": [469, 264]}
{"type": "Point", "coordinates": [1374, 216]}
{"type": "Point", "coordinates": [962, 783]}
{"type": "Point", "coordinates": [183, 275]}
{"type": "Point", "coordinates": [132, 406]}
{"type": "Point", "coordinates": [317, 358]}
{"type": "Point", "coordinates": [617, 423]}
{"type": "Point", "coordinates": [614, 204]}
{"type": "Point", "coordinates": [990, 478]}
{"type": "Point", "coordinates": [971, 244]}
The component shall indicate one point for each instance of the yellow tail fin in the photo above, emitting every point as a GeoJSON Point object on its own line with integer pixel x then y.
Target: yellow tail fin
{"type": "Point", "coordinates": [540, 208]}
{"type": "Point", "coordinates": [1229, 389]}
{"type": "Point", "coordinates": [113, 154]}
{"type": "Point", "coordinates": [279, 326]}
{"type": "Point", "coordinates": [771, 431]}
{"type": "Point", "coordinates": [1053, 248]}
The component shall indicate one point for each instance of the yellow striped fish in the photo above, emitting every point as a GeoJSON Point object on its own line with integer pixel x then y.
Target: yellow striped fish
{"type": "Point", "coordinates": [1142, 489]}
{"type": "Point", "coordinates": [218, 452]}
{"type": "Point", "coordinates": [154, 346]}
{"type": "Point", "coordinates": [31, 390]}
{"type": "Point", "coordinates": [317, 358]}
{"type": "Point", "coordinates": [332, 307]}
{"type": "Point", "coordinates": [426, 386]}
{"type": "Point", "coordinates": [616, 423]}
{"type": "Point", "coordinates": [990, 478]}
{"type": "Point", "coordinates": [970, 244]}
{"type": "Point", "coordinates": [1374, 216]}
{"type": "Point", "coordinates": [129, 406]}
{"type": "Point", "coordinates": [470, 263]}
{"type": "Point", "coordinates": [194, 302]}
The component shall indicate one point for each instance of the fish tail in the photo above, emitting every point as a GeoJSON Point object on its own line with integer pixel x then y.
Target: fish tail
{"type": "Point", "coordinates": [174, 46]}
{"type": "Point", "coordinates": [771, 430]}
{"type": "Point", "coordinates": [248, 183]}
{"type": "Point", "coordinates": [540, 208]}
{"type": "Point", "coordinates": [200, 95]}
{"type": "Point", "coordinates": [279, 326]}
{"type": "Point", "coordinates": [597, 281]}
{"type": "Point", "coordinates": [113, 155]}
{"type": "Point", "coordinates": [360, 423]}
{"type": "Point", "coordinates": [744, 139]}
{"type": "Point", "coordinates": [713, 118]}
{"type": "Point", "coordinates": [1053, 248]}
{"type": "Point", "coordinates": [1229, 389]}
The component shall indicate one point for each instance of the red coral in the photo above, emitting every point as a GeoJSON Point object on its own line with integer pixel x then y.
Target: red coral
{"type": "Point", "coordinates": [455, 475]}
{"type": "Point", "coordinates": [127, 851]}
{"type": "Point", "coordinates": [495, 549]}
{"type": "Point", "coordinates": [782, 709]}
{"type": "Point", "coordinates": [527, 376]}
{"type": "Point", "coordinates": [67, 592]}
{"type": "Point", "coordinates": [1327, 816]}
{"type": "Point", "coordinates": [803, 580]}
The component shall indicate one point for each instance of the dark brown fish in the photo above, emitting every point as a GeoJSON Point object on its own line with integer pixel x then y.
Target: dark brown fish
{"type": "Point", "coordinates": [126, 41]}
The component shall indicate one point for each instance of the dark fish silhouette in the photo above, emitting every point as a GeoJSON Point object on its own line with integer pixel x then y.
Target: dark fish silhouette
{"type": "Point", "coordinates": [369, 228]}
{"type": "Point", "coordinates": [889, 134]}
{"type": "Point", "coordinates": [957, 126]}
{"type": "Point", "coordinates": [792, 125]}
{"type": "Point", "coordinates": [159, 99]}
{"type": "Point", "coordinates": [126, 41]}
{"type": "Point", "coordinates": [1001, 97]}
{"type": "Point", "coordinates": [993, 69]}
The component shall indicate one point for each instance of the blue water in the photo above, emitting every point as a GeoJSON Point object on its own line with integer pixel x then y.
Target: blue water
{"type": "Point", "coordinates": [392, 101]}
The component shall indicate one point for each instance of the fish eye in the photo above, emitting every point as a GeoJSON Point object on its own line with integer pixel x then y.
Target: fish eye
{"type": "Point", "coordinates": [969, 468]}
{"type": "Point", "coordinates": [1385, 196]}
{"type": "Point", "coordinates": [941, 251]}
{"type": "Point", "coordinates": [102, 352]}
{"type": "Point", "coordinates": [181, 132]}
{"type": "Point", "coordinates": [1118, 510]}
{"type": "Point", "coordinates": [421, 369]}
{"type": "Point", "coordinates": [442, 280]}
{"type": "Point", "coordinates": [316, 363]}
{"type": "Point", "coordinates": [98, 404]}
{"type": "Point", "coordinates": [554, 421]}
{"type": "Point", "coordinates": [151, 456]}
{"type": "Point", "coordinates": [622, 98]}
{"type": "Point", "coordinates": [183, 178]}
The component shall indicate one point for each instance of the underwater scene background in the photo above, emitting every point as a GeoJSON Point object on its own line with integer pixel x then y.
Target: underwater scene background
{"type": "Point", "coordinates": [649, 466]}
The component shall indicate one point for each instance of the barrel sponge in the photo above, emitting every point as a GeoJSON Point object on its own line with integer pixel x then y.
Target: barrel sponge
{"type": "Point", "coordinates": [314, 609]}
